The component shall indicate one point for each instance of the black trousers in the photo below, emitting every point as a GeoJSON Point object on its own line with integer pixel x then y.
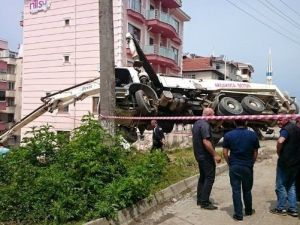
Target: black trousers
{"type": "Point", "coordinates": [207, 170]}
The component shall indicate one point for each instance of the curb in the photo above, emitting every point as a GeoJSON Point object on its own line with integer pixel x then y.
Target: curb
{"type": "Point", "coordinates": [171, 193]}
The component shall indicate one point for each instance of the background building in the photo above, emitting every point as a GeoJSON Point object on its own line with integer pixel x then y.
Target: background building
{"type": "Point", "coordinates": [217, 68]}
{"type": "Point", "coordinates": [61, 48]}
{"type": "Point", "coordinates": [10, 72]}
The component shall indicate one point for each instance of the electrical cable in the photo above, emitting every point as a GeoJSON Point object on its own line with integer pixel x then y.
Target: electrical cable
{"type": "Point", "coordinates": [271, 20]}
{"type": "Point", "coordinates": [265, 24]}
{"type": "Point", "coordinates": [297, 13]}
{"type": "Point", "coordinates": [280, 13]}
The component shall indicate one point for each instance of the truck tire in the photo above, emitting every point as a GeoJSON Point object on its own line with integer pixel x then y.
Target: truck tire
{"type": "Point", "coordinates": [144, 103]}
{"type": "Point", "coordinates": [229, 106]}
{"type": "Point", "coordinates": [253, 105]}
{"type": "Point", "coordinates": [167, 126]}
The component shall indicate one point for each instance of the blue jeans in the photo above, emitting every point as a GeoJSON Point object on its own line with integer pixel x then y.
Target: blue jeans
{"type": "Point", "coordinates": [285, 190]}
{"type": "Point", "coordinates": [241, 177]}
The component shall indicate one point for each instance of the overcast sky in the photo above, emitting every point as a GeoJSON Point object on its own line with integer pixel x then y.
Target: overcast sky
{"type": "Point", "coordinates": [242, 30]}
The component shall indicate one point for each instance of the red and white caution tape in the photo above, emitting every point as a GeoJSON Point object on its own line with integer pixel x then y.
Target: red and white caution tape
{"type": "Point", "coordinates": [236, 117]}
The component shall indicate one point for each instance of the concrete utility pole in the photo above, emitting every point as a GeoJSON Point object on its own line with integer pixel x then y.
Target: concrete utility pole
{"type": "Point", "coordinates": [107, 64]}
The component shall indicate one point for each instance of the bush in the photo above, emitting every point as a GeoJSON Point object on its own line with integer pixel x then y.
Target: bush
{"type": "Point", "coordinates": [52, 180]}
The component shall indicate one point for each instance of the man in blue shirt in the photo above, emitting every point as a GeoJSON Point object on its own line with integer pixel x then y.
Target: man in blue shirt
{"type": "Point", "coordinates": [206, 157]}
{"type": "Point", "coordinates": [243, 146]}
{"type": "Point", "coordinates": [288, 151]}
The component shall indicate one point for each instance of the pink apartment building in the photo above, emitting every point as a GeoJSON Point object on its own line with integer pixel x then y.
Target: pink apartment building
{"type": "Point", "coordinates": [61, 48]}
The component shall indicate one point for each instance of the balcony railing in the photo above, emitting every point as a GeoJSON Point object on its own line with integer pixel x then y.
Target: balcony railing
{"type": "Point", "coordinates": [8, 77]}
{"type": "Point", "coordinates": [161, 51]}
{"type": "Point", "coordinates": [163, 17]}
{"type": "Point", "coordinates": [10, 93]}
{"type": "Point", "coordinates": [135, 5]}
{"type": "Point", "coordinates": [9, 109]}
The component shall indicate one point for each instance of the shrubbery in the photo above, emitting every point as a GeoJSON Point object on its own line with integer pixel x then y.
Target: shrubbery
{"type": "Point", "coordinates": [52, 179]}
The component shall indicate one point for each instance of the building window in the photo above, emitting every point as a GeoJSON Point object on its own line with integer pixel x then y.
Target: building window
{"type": "Point", "coordinates": [66, 58]}
{"type": "Point", "coordinates": [11, 85]}
{"type": "Point", "coordinates": [135, 5]}
{"type": "Point", "coordinates": [176, 24]}
{"type": "Point", "coordinates": [10, 117]}
{"type": "Point", "coordinates": [63, 109]}
{"type": "Point", "coordinates": [11, 69]}
{"type": "Point", "coordinates": [95, 104]}
{"type": "Point", "coordinates": [151, 41]}
{"type": "Point", "coordinates": [244, 71]}
{"type": "Point", "coordinates": [2, 96]}
{"type": "Point", "coordinates": [135, 32]}
{"type": "Point", "coordinates": [10, 101]}
{"type": "Point", "coordinates": [191, 76]}
{"type": "Point", "coordinates": [67, 22]}
{"type": "Point", "coordinates": [175, 52]}
{"type": "Point", "coordinates": [218, 66]}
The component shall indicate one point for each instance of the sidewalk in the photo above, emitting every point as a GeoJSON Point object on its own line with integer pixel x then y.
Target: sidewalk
{"type": "Point", "coordinates": [186, 212]}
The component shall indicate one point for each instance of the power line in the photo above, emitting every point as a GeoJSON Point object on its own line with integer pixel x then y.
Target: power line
{"type": "Point", "coordinates": [264, 16]}
{"type": "Point", "coordinates": [280, 13]}
{"type": "Point", "coordinates": [297, 13]}
{"type": "Point", "coordinates": [265, 24]}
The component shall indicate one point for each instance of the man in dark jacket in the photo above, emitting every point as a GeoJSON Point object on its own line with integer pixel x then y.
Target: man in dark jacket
{"type": "Point", "coordinates": [206, 157]}
{"type": "Point", "coordinates": [158, 136]}
{"type": "Point", "coordinates": [288, 163]}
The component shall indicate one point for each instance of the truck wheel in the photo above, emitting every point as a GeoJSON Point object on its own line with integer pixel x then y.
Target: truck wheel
{"type": "Point", "coordinates": [144, 103]}
{"type": "Point", "coordinates": [253, 105]}
{"type": "Point", "coordinates": [230, 106]}
{"type": "Point", "coordinates": [128, 133]}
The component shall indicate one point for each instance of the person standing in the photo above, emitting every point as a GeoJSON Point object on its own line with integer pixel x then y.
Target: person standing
{"type": "Point", "coordinates": [158, 137]}
{"type": "Point", "coordinates": [298, 174]}
{"type": "Point", "coordinates": [288, 163]}
{"type": "Point", "coordinates": [240, 149]}
{"type": "Point", "coordinates": [206, 157]}
{"type": "Point", "coordinates": [3, 150]}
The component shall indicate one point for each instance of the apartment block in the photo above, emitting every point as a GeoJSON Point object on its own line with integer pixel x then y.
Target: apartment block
{"type": "Point", "coordinates": [61, 48]}
{"type": "Point", "coordinates": [10, 69]}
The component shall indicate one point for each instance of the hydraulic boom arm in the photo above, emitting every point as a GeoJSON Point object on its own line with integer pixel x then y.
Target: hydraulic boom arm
{"type": "Point", "coordinates": [56, 100]}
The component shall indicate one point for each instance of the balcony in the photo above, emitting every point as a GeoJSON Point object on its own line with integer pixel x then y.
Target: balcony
{"type": "Point", "coordinates": [2, 105]}
{"type": "Point", "coordinates": [3, 45]}
{"type": "Point", "coordinates": [161, 22]}
{"type": "Point", "coordinates": [9, 109]}
{"type": "Point", "coordinates": [135, 11]}
{"type": "Point", "coordinates": [10, 93]}
{"type": "Point", "coordinates": [3, 85]}
{"type": "Point", "coordinates": [8, 77]}
{"type": "Point", "coordinates": [2, 126]}
{"type": "Point", "coordinates": [161, 55]}
{"type": "Point", "coordinates": [171, 3]}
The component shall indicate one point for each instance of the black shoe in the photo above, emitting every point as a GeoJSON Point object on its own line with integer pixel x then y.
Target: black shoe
{"type": "Point", "coordinates": [281, 212]}
{"type": "Point", "coordinates": [292, 213]}
{"type": "Point", "coordinates": [250, 213]}
{"type": "Point", "coordinates": [209, 207]}
{"type": "Point", "coordinates": [237, 218]}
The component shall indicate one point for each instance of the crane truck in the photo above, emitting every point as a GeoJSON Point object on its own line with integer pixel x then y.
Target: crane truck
{"type": "Point", "coordinates": [140, 91]}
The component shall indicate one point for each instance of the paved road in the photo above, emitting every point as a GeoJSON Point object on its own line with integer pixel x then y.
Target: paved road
{"type": "Point", "coordinates": [185, 211]}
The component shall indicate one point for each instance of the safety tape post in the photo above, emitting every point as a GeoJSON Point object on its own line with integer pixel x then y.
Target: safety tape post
{"type": "Point", "coordinates": [235, 117]}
